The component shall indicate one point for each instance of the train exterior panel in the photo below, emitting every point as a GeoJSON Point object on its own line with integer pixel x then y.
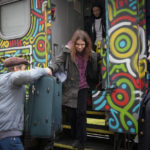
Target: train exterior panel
{"type": "Point", "coordinates": [35, 44]}
{"type": "Point", "coordinates": [124, 64]}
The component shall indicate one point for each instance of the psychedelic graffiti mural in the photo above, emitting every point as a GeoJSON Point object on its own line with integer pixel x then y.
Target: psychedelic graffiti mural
{"type": "Point", "coordinates": [36, 44]}
{"type": "Point", "coordinates": [124, 65]}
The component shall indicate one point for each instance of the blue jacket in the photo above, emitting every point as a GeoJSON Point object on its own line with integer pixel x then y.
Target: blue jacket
{"type": "Point", "coordinates": [12, 95]}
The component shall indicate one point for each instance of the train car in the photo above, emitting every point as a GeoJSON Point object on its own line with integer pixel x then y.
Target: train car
{"type": "Point", "coordinates": [37, 29]}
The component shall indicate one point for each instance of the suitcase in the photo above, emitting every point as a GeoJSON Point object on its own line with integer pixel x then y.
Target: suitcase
{"type": "Point", "coordinates": [57, 106]}
{"type": "Point", "coordinates": [43, 113]}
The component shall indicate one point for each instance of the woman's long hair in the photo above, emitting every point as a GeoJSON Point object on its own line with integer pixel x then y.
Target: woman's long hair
{"type": "Point", "coordinates": [81, 35]}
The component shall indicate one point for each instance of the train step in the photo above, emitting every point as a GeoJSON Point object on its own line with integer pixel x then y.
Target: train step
{"type": "Point", "coordinates": [93, 143]}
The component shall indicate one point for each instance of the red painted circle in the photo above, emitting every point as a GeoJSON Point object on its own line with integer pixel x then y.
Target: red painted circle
{"type": "Point", "coordinates": [107, 107]}
{"type": "Point", "coordinates": [122, 102]}
{"type": "Point", "coordinates": [41, 46]}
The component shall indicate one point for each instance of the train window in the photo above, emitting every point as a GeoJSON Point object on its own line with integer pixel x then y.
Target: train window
{"type": "Point", "coordinates": [14, 19]}
{"type": "Point", "coordinates": [2, 2]}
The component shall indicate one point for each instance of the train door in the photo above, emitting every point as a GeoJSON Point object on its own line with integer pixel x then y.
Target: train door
{"type": "Point", "coordinates": [70, 16]}
{"type": "Point", "coordinates": [124, 65]}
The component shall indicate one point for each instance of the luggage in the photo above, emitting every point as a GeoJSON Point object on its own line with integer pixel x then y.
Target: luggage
{"type": "Point", "coordinates": [43, 109]}
{"type": "Point", "coordinates": [57, 106]}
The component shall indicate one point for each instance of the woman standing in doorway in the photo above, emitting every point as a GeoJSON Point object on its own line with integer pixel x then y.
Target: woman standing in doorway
{"type": "Point", "coordinates": [75, 88]}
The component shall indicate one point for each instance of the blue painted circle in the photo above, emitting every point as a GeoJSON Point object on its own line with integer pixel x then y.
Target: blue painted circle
{"type": "Point", "coordinates": [132, 130]}
{"type": "Point", "coordinates": [124, 86]}
{"type": "Point", "coordinates": [134, 7]}
{"type": "Point", "coordinates": [122, 43]}
{"type": "Point", "coordinates": [129, 123]}
{"type": "Point", "coordinates": [119, 130]}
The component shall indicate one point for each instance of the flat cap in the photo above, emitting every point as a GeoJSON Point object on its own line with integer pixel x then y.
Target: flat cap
{"type": "Point", "coordinates": [13, 61]}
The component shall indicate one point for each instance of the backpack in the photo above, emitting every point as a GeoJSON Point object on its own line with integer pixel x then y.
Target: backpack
{"type": "Point", "coordinates": [93, 72]}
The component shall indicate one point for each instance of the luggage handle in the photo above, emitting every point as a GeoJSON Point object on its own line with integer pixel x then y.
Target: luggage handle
{"type": "Point", "coordinates": [48, 90]}
{"type": "Point", "coordinates": [33, 89]}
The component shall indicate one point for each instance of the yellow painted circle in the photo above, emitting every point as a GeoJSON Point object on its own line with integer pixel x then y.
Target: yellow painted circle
{"type": "Point", "coordinates": [133, 46]}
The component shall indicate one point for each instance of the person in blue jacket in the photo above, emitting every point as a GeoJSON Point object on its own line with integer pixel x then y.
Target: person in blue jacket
{"type": "Point", "coordinates": [12, 95]}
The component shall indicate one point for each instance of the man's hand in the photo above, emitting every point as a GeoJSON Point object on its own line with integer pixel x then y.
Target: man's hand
{"type": "Point", "coordinates": [49, 71]}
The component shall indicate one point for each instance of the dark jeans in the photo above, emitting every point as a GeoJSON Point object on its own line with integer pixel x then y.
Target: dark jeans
{"type": "Point", "coordinates": [11, 143]}
{"type": "Point", "coordinates": [77, 117]}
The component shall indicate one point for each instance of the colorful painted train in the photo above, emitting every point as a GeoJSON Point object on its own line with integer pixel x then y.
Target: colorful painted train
{"type": "Point", "coordinates": [30, 29]}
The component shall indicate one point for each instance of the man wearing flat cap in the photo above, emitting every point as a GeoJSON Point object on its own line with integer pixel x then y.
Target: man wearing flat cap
{"type": "Point", "coordinates": [12, 95]}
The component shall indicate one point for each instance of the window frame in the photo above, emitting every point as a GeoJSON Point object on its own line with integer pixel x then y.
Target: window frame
{"type": "Point", "coordinates": [9, 37]}
{"type": "Point", "coordinates": [3, 2]}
